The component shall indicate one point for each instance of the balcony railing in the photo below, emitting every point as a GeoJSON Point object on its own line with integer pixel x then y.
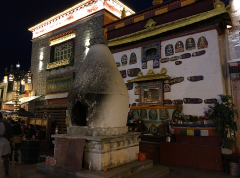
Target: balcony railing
{"type": "Point", "coordinates": [58, 64]}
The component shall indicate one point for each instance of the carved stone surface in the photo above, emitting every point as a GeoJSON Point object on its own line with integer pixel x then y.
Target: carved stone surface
{"type": "Point", "coordinates": [195, 78]}
{"type": "Point", "coordinates": [210, 101]}
{"type": "Point", "coordinates": [133, 72]}
{"type": "Point", "coordinates": [129, 86]}
{"type": "Point", "coordinates": [164, 60]}
{"type": "Point", "coordinates": [178, 62]}
{"type": "Point", "coordinates": [176, 80]}
{"type": "Point", "coordinates": [199, 53]}
{"type": "Point", "coordinates": [192, 100]}
{"type": "Point", "coordinates": [167, 87]}
{"type": "Point", "coordinates": [118, 64]}
{"type": "Point", "coordinates": [169, 50]}
{"type": "Point", "coordinates": [156, 63]}
{"type": "Point", "coordinates": [113, 150]}
{"type": "Point", "coordinates": [123, 73]}
{"type": "Point", "coordinates": [144, 65]}
{"type": "Point", "coordinates": [185, 56]}
{"type": "Point", "coordinates": [177, 101]}
{"type": "Point", "coordinates": [168, 102]}
{"type": "Point", "coordinates": [174, 58]}
{"type": "Point", "coordinates": [76, 130]}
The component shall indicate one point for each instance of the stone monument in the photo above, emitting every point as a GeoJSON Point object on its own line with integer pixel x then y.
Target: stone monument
{"type": "Point", "coordinates": [98, 104]}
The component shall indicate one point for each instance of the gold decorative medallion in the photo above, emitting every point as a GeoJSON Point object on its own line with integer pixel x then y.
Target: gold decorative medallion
{"type": "Point", "coordinates": [219, 4]}
{"type": "Point", "coordinates": [150, 23]}
{"type": "Point", "coordinates": [156, 2]}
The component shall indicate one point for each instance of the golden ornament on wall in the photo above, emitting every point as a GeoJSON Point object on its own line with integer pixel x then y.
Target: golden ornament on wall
{"type": "Point", "coordinates": [150, 23]}
{"type": "Point", "coordinates": [156, 2]}
{"type": "Point", "coordinates": [219, 4]}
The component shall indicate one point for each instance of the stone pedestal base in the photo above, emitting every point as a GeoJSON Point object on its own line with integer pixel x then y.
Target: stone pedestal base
{"type": "Point", "coordinates": [87, 131]}
{"type": "Point", "coordinates": [112, 150]}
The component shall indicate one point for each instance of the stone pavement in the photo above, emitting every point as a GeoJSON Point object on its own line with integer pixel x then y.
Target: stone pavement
{"type": "Point", "coordinates": [29, 171]}
{"type": "Point", "coordinates": [185, 172]}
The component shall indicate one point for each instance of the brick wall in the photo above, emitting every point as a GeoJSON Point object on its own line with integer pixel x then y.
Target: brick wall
{"type": "Point", "coordinates": [86, 29]}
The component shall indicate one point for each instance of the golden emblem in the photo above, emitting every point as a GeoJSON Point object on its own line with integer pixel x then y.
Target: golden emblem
{"type": "Point", "coordinates": [163, 71]}
{"type": "Point", "coordinates": [219, 4]}
{"type": "Point", "coordinates": [156, 2]}
{"type": "Point", "coordinates": [140, 74]}
{"type": "Point", "coordinates": [150, 72]}
{"type": "Point", "coordinates": [150, 23]}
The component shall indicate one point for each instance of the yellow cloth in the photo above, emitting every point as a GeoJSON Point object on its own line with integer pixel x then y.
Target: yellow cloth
{"type": "Point", "coordinates": [190, 132]}
{"type": "Point", "coordinates": [176, 107]}
{"type": "Point", "coordinates": [194, 128]}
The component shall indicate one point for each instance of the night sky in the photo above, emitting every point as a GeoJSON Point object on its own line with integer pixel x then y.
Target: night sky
{"type": "Point", "coordinates": [19, 15]}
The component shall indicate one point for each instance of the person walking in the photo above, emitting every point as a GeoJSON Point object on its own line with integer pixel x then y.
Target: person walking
{"type": "Point", "coordinates": [6, 135]}
{"type": "Point", "coordinates": [18, 135]}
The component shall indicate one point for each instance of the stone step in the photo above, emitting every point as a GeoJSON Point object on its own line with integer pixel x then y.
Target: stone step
{"type": "Point", "coordinates": [155, 172]}
{"type": "Point", "coordinates": [123, 171]}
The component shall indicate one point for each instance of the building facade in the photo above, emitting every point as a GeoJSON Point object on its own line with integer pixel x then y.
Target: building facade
{"type": "Point", "coordinates": [182, 43]}
{"type": "Point", "coordinates": [59, 47]}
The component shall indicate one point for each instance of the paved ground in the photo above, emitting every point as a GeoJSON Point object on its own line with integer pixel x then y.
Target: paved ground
{"type": "Point", "coordinates": [29, 171]}
{"type": "Point", "coordinates": [184, 172]}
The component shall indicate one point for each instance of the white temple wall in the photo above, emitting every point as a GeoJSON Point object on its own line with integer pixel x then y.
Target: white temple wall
{"type": "Point", "coordinates": [208, 65]}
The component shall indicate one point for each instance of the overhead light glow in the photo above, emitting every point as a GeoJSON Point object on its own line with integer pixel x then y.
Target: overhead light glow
{"type": "Point", "coordinates": [40, 65]}
{"type": "Point", "coordinates": [5, 80]}
{"type": "Point", "coordinates": [77, 12]}
{"type": "Point", "coordinates": [62, 39]}
{"type": "Point", "coordinates": [41, 56]}
{"type": "Point", "coordinates": [10, 78]}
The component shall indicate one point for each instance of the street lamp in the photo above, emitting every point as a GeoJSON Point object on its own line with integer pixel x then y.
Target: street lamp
{"type": "Point", "coordinates": [16, 76]}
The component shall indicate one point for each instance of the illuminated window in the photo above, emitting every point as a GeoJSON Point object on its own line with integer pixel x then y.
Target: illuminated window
{"type": "Point", "coordinates": [63, 51]}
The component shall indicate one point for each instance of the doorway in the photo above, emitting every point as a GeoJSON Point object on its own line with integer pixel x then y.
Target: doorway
{"type": "Point", "coordinates": [79, 114]}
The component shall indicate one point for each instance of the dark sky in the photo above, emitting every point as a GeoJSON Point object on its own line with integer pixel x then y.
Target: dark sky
{"type": "Point", "coordinates": [19, 15]}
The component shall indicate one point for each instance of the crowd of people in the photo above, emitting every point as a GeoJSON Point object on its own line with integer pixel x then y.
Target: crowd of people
{"type": "Point", "coordinates": [11, 135]}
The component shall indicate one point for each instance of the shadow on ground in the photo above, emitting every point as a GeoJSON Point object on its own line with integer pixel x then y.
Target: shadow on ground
{"type": "Point", "coordinates": [29, 171]}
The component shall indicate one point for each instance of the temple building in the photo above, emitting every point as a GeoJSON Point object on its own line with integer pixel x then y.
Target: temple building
{"type": "Point", "coordinates": [59, 47]}
{"type": "Point", "coordinates": [173, 58]}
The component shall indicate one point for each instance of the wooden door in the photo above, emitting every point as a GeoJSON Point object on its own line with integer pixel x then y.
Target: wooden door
{"type": "Point", "coordinates": [236, 100]}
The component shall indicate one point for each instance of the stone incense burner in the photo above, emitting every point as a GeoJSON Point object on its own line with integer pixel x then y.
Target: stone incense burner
{"type": "Point", "coordinates": [98, 99]}
{"type": "Point", "coordinates": [98, 104]}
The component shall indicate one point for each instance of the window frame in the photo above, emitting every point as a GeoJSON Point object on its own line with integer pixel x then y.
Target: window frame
{"type": "Point", "coordinates": [52, 51]}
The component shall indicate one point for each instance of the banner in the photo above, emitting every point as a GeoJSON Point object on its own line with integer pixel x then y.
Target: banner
{"type": "Point", "coordinates": [60, 83]}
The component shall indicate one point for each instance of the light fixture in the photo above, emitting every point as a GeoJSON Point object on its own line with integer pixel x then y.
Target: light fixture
{"type": "Point", "coordinates": [18, 65]}
{"type": "Point", "coordinates": [5, 80]}
{"type": "Point", "coordinates": [10, 77]}
{"type": "Point", "coordinates": [23, 82]}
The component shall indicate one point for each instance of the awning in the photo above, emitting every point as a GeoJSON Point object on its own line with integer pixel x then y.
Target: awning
{"type": "Point", "coordinates": [23, 100]}
{"type": "Point", "coordinates": [234, 66]}
{"type": "Point", "coordinates": [21, 113]}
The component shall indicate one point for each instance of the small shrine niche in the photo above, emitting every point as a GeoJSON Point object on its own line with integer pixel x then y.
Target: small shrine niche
{"type": "Point", "coordinates": [151, 87]}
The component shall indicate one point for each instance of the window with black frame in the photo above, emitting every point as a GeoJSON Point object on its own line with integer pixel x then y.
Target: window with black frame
{"type": "Point", "coordinates": [62, 51]}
